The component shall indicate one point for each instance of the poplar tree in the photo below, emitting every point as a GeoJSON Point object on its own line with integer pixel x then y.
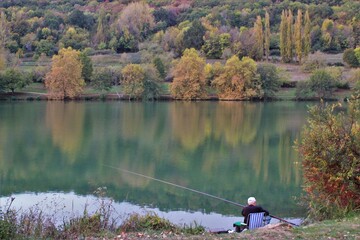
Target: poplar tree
{"type": "Point", "coordinates": [307, 29]}
{"type": "Point", "coordinates": [267, 36]}
{"type": "Point", "coordinates": [101, 32]}
{"type": "Point", "coordinates": [298, 36]}
{"type": "Point", "coordinates": [289, 36]}
{"type": "Point", "coordinates": [283, 29]}
{"type": "Point", "coordinates": [259, 38]}
{"type": "Point", "coordinates": [4, 30]}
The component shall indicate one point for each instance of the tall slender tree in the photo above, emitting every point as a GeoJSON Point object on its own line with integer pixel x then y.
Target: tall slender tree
{"type": "Point", "coordinates": [283, 30]}
{"type": "Point", "coordinates": [307, 30]}
{"type": "Point", "coordinates": [298, 36]}
{"type": "Point", "coordinates": [259, 38]}
{"type": "Point", "coordinates": [289, 36]}
{"type": "Point", "coordinates": [100, 36]}
{"type": "Point", "coordinates": [267, 36]}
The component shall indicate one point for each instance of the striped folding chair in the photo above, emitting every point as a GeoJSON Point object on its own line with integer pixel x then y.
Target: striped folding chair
{"type": "Point", "coordinates": [255, 220]}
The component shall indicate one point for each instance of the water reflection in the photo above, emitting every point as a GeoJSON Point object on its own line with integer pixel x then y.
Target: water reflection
{"type": "Point", "coordinates": [228, 149]}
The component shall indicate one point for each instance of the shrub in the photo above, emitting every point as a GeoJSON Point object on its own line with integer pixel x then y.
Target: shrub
{"type": "Point", "coordinates": [350, 58]}
{"type": "Point", "coordinates": [150, 221]}
{"type": "Point", "coordinates": [314, 63]}
{"type": "Point", "coordinates": [355, 79]}
{"type": "Point", "coordinates": [270, 78]}
{"type": "Point", "coordinates": [322, 83]}
{"type": "Point", "coordinates": [331, 163]}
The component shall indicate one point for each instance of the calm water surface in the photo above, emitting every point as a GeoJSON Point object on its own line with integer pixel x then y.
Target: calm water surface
{"type": "Point", "coordinates": [59, 153]}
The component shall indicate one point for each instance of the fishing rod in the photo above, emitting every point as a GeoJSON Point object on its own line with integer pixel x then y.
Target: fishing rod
{"type": "Point", "coordinates": [190, 189]}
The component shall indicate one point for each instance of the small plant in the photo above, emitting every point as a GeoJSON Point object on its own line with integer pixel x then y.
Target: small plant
{"type": "Point", "coordinates": [150, 221]}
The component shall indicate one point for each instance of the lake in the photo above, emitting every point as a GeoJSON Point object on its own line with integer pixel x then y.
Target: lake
{"type": "Point", "coordinates": [56, 154]}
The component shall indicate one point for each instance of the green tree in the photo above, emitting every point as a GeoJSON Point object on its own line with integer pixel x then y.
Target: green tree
{"type": "Point", "coordinates": [160, 67]}
{"type": "Point", "coordinates": [64, 79]}
{"type": "Point", "coordinates": [270, 78]}
{"type": "Point", "coordinates": [238, 80]}
{"type": "Point", "coordinates": [87, 66]}
{"type": "Point", "coordinates": [13, 79]}
{"type": "Point", "coordinates": [152, 86]}
{"type": "Point", "coordinates": [101, 33]}
{"type": "Point", "coordinates": [189, 78]}
{"type": "Point", "coordinates": [283, 37]}
{"type": "Point", "coordinates": [215, 44]}
{"type": "Point", "coordinates": [259, 39]}
{"type": "Point", "coordinates": [350, 58]}
{"type": "Point", "coordinates": [267, 36]}
{"type": "Point", "coordinates": [76, 38]}
{"type": "Point", "coordinates": [298, 38]}
{"type": "Point", "coordinates": [329, 149]}
{"type": "Point", "coordinates": [321, 85]}
{"type": "Point", "coordinates": [4, 30]}
{"type": "Point", "coordinates": [193, 36]}
{"type": "Point", "coordinates": [307, 36]}
{"type": "Point", "coordinates": [102, 79]}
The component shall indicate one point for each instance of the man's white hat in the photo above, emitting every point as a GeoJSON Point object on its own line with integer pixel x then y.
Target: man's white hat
{"type": "Point", "coordinates": [251, 200]}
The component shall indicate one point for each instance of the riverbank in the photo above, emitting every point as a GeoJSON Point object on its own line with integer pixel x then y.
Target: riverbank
{"type": "Point", "coordinates": [347, 228]}
{"type": "Point", "coordinates": [37, 92]}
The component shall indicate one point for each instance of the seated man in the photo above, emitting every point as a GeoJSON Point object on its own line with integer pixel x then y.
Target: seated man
{"type": "Point", "coordinates": [252, 208]}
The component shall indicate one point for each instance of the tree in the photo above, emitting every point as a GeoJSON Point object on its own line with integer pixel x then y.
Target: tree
{"type": "Point", "coordinates": [65, 80]}
{"type": "Point", "coordinates": [322, 83]}
{"type": "Point", "coordinates": [289, 36]}
{"type": "Point", "coordinates": [141, 81]}
{"type": "Point", "coordinates": [101, 33]}
{"type": "Point", "coordinates": [87, 66]}
{"type": "Point", "coordinates": [259, 39]}
{"type": "Point", "coordinates": [13, 79]}
{"type": "Point", "coordinates": [4, 30]}
{"type": "Point", "coordinates": [307, 36]}
{"type": "Point", "coordinates": [283, 37]}
{"type": "Point", "coordinates": [298, 36]}
{"type": "Point", "coordinates": [137, 19]}
{"type": "Point", "coordinates": [270, 79]}
{"type": "Point", "coordinates": [132, 80]}
{"type": "Point", "coordinates": [102, 79]}
{"type": "Point", "coordinates": [78, 18]}
{"type": "Point", "coordinates": [189, 78]}
{"type": "Point", "coordinates": [350, 58]}
{"type": "Point", "coordinates": [76, 38]}
{"type": "Point", "coordinates": [329, 149]}
{"type": "Point", "coordinates": [267, 36]}
{"type": "Point", "coordinates": [238, 80]}
{"type": "Point", "coordinates": [215, 44]}
{"type": "Point", "coordinates": [2, 58]}
{"type": "Point", "coordinates": [193, 36]}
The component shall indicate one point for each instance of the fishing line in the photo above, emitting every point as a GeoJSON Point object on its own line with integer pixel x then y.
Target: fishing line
{"type": "Point", "coordinates": [189, 189]}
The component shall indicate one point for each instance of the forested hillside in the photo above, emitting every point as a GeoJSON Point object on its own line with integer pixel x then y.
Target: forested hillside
{"type": "Point", "coordinates": [156, 32]}
{"type": "Point", "coordinates": [216, 27]}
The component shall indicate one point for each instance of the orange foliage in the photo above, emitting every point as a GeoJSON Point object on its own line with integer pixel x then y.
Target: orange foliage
{"type": "Point", "coordinates": [65, 80]}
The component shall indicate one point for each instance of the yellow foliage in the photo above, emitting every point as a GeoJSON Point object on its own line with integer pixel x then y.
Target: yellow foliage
{"type": "Point", "coordinates": [189, 77]}
{"type": "Point", "coordinates": [64, 79]}
{"type": "Point", "coordinates": [239, 80]}
{"type": "Point", "coordinates": [133, 77]}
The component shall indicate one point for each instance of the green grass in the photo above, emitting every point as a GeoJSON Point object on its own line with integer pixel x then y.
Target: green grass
{"type": "Point", "coordinates": [286, 94]}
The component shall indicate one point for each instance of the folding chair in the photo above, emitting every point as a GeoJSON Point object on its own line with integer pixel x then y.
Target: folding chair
{"type": "Point", "coordinates": [255, 220]}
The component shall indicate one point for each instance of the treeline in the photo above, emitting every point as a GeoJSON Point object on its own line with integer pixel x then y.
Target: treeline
{"type": "Point", "coordinates": [218, 28]}
{"type": "Point", "coordinates": [174, 39]}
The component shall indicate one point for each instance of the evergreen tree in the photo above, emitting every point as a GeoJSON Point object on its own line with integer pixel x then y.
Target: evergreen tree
{"type": "Point", "coordinates": [307, 30]}
{"type": "Point", "coordinates": [267, 36]}
{"type": "Point", "coordinates": [298, 36]}
{"type": "Point", "coordinates": [259, 39]}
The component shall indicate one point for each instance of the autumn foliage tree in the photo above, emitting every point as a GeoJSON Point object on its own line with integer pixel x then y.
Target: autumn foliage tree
{"type": "Point", "coordinates": [132, 81]}
{"type": "Point", "coordinates": [65, 80]}
{"type": "Point", "coordinates": [330, 149]}
{"type": "Point", "coordinates": [189, 77]}
{"type": "Point", "coordinates": [239, 80]}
